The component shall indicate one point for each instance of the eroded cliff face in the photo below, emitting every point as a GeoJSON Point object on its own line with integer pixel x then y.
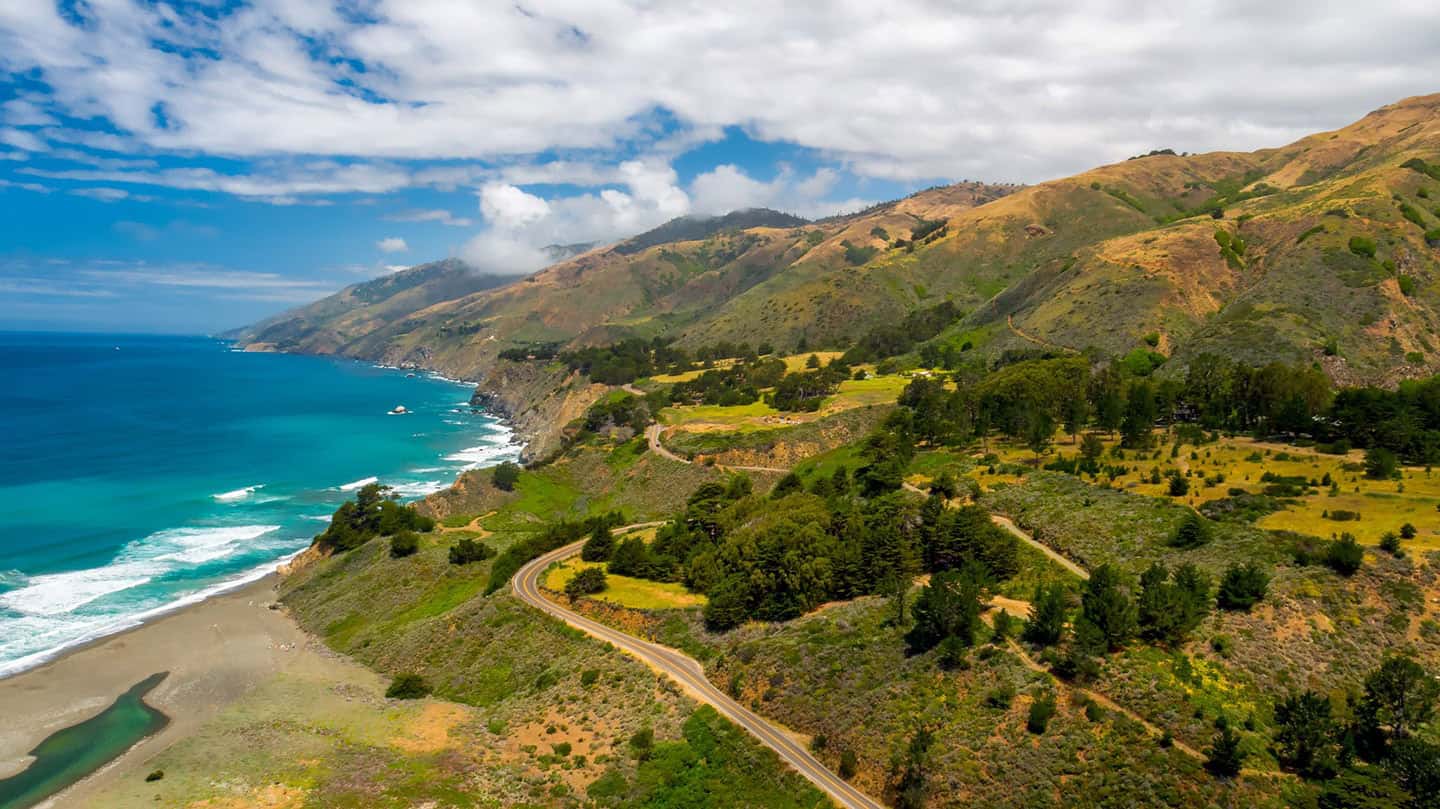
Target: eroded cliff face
{"type": "Point", "coordinates": [537, 400]}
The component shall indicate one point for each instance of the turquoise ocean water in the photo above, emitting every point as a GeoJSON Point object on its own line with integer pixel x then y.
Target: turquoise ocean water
{"type": "Point", "coordinates": [140, 474]}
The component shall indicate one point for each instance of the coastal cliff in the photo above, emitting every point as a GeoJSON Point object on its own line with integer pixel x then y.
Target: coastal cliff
{"type": "Point", "coordinates": [537, 401]}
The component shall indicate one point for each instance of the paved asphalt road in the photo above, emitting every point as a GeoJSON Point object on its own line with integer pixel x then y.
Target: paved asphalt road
{"type": "Point", "coordinates": [691, 675]}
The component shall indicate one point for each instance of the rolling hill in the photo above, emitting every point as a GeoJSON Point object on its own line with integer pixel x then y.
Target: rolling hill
{"type": "Point", "coordinates": [1321, 249]}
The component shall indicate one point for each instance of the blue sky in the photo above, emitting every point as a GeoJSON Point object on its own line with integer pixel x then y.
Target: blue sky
{"type": "Point", "coordinates": [192, 166]}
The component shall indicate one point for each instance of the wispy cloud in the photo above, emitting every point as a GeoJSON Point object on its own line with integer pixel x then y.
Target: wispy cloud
{"type": "Point", "coordinates": [392, 244]}
{"type": "Point", "coordinates": [436, 215]}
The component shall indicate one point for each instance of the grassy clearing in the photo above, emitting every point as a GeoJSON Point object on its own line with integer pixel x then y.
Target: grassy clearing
{"type": "Point", "coordinates": [864, 392]}
{"type": "Point", "coordinates": [637, 594]}
{"type": "Point", "coordinates": [1240, 463]}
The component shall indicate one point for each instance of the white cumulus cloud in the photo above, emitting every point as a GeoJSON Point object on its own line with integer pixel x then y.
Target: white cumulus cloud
{"type": "Point", "coordinates": [392, 244]}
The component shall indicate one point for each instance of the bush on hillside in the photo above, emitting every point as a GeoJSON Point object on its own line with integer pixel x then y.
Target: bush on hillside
{"type": "Point", "coordinates": [403, 544]}
{"type": "Point", "coordinates": [589, 581]}
{"type": "Point", "coordinates": [407, 686]}
{"type": "Point", "coordinates": [468, 550]}
{"type": "Point", "coordinates": [506, 475]}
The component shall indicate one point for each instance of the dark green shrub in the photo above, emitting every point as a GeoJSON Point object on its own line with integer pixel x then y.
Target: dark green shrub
{"type": "Point", "coordinates": [1242, 587]}
{"type": "Point", "coordinates": [1344, 555]}
{"type": "Point", "coordinates": [155, 775]}
{"type": "Point", "coordinates": [403, 544]}
{"type": "Point", "coordinates": [642, 743]}
{"type": "Point", "coordinates": [600, 546]}
{"type": "Point", "coordinates": [407, 686]}
{"type": "Point", "coordinates": [1001, 697]}
{"type": "Point", "coordinates": [589, 581]}
{"type": "Point", "coordinates": [589, 677]}
{"type": "Point", "coordinates": [1380, 463]}
{"type": "Point", "coordinates": [1191, 533]}
{"type": "Point", "coordinates": [1224, 756]}
{"type": "Point", "coordinates": [848, 764]}
{"type": "Point", "coordinates": [468, 550]}
{"type": "Point", "coordinates": [1362, 246]}
{"type": "Point", "coordinates": [505, 476]}
{"type": "Point", "coordinates": [1041, 710]}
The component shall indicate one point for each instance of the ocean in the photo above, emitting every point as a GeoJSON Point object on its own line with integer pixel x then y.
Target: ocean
{"type": "Point", "coordinates": [139, 473]}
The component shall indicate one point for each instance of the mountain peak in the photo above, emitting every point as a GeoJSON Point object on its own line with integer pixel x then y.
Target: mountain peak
{"type": "Point", "coordinates": [692, 228]}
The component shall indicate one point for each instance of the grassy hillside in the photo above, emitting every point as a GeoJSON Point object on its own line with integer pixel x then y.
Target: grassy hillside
{"type": "Point", "coordinates": [1324, 249]}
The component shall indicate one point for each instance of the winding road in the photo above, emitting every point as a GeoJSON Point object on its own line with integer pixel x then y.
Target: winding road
{"type": "Point", "coordinates": [652, 436]}
{"type": "Point", "coordinates": [691, 676]}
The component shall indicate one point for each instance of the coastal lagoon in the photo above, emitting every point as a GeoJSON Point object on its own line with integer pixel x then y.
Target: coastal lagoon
{"type": "Point", "coordinates": [142, 473]}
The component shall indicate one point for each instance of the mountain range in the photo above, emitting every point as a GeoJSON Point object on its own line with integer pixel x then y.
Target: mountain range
{"type": "Point", "coordinates": [1327, 249]}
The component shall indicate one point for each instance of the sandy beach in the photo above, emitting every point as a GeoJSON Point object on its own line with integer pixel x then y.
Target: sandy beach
{"type": "Point", "coordinates": [215, 652]}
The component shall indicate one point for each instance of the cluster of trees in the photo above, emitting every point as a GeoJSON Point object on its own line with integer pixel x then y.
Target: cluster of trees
{"type": "Point", "coordinates": [1026, 401]}
{"type": "Point", "coordinates": [373, 513]}
{"type": "Point", "coordinates": [1166, 607]}
{"type": "Point", "coordinates": [1322, 743]}
{"type": "Point", "coordinates": [742, 383]}
{"type": "Point", "coordinates": [775, 557]}
{"type": "Point", "coordinates": [633, 358]}
{"type": "Point", "coordinates": [900, 338]}
{"type": "Point", "coordinates": [739, 384]}
{"type": "Point", "coordinates": [1405, 421]}
{"type": "Point", "coordinates": [553, 536]}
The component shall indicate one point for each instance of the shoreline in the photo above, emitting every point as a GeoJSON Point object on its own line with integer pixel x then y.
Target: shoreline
{"type": "Point", "coordinates": [215, 650]}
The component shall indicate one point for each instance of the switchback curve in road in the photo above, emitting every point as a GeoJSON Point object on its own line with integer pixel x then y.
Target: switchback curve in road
{"type": "Point", "coordinates": [691, 676]}
{"type": "Point", "coordinates": [652, 437]}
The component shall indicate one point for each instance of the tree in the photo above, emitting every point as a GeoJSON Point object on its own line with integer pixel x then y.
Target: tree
{"type": "Point", "coordinates": [727, 604]}
{"type": "Point", "coordinates": [1046, 625]}
{"type": "Point", "coordinates": [1139, 417]}
{"type": "Point", "coordinates": [945, 485]}
{"type": "Point", "coordinates": [1091, 447]}
{"type": "Point", "coordinates": [1179, 486]}
{"type": "Point", "coordinates": [631, 558]}
{"type": "Point", "coordinates": [1076, 409]}
{"type": "Point", "coordinates": [588, 581]}
{"type": "Point", "coordinates": [1305, 735]}
{"type": "Point", "coordinates": [1040, 712]}
{"type": "Point", "coordinates": [1399, 697]}
{"type": "Point", "coordinates": [1039, 429]}
{"type": "Point", "coordinates": [600, 546]}
{"type": "Point", "coordinates": [912, 779]}
{"type": "Point", "coordinates": [1168, 610]}
{"type": "Point", "coordinates": [1224, 757]}
{"type": "Point", "coordinates": [1107, 607]}
{"type": "Point", "coordinates": [1380, 463]}
{"type": "Point", "coordinates": [468, 550]}
{"type": "Point", "coordinates": [506, 475]}
{"type": "Point", "coordinates": [403, 544]}
{"type": "Point", "coordinates": [789, 484]}
{"type": "Point", "coordinates": [1344, 555]}
{"type": "Point", "coordinates": [1242, 587]}
{"type": "Point", "coordinates": [948, 607]}
{"type": "Point", "coordinates": [1416, 765]}
{"type": "Point", "coordinates": [849, 764]}
{"type": "Point", "coordinates": [1362, 789]}
{"type": "Point", "coordinates": [1193, 530]}
{"type": "Point", "coordinates": [1407, 531]}
{"type": "Point", "coordinates": [407, 686]}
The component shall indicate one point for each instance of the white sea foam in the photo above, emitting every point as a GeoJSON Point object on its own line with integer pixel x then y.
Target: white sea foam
{"type": "Point", "coordinates": [356, 484]}
{"type": "Point", "coordinates": [418, 488]}
{"type": "Point", "coordinates": [56, 594]}
{"type": "Point", "coordinates": [71, 633]}
{"type": "Point", "coordinates": [238, 494]}
{"type": "Point", "coordinates": [59, 593]}
{"type": "Point", "coordinates": [484, 455]}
